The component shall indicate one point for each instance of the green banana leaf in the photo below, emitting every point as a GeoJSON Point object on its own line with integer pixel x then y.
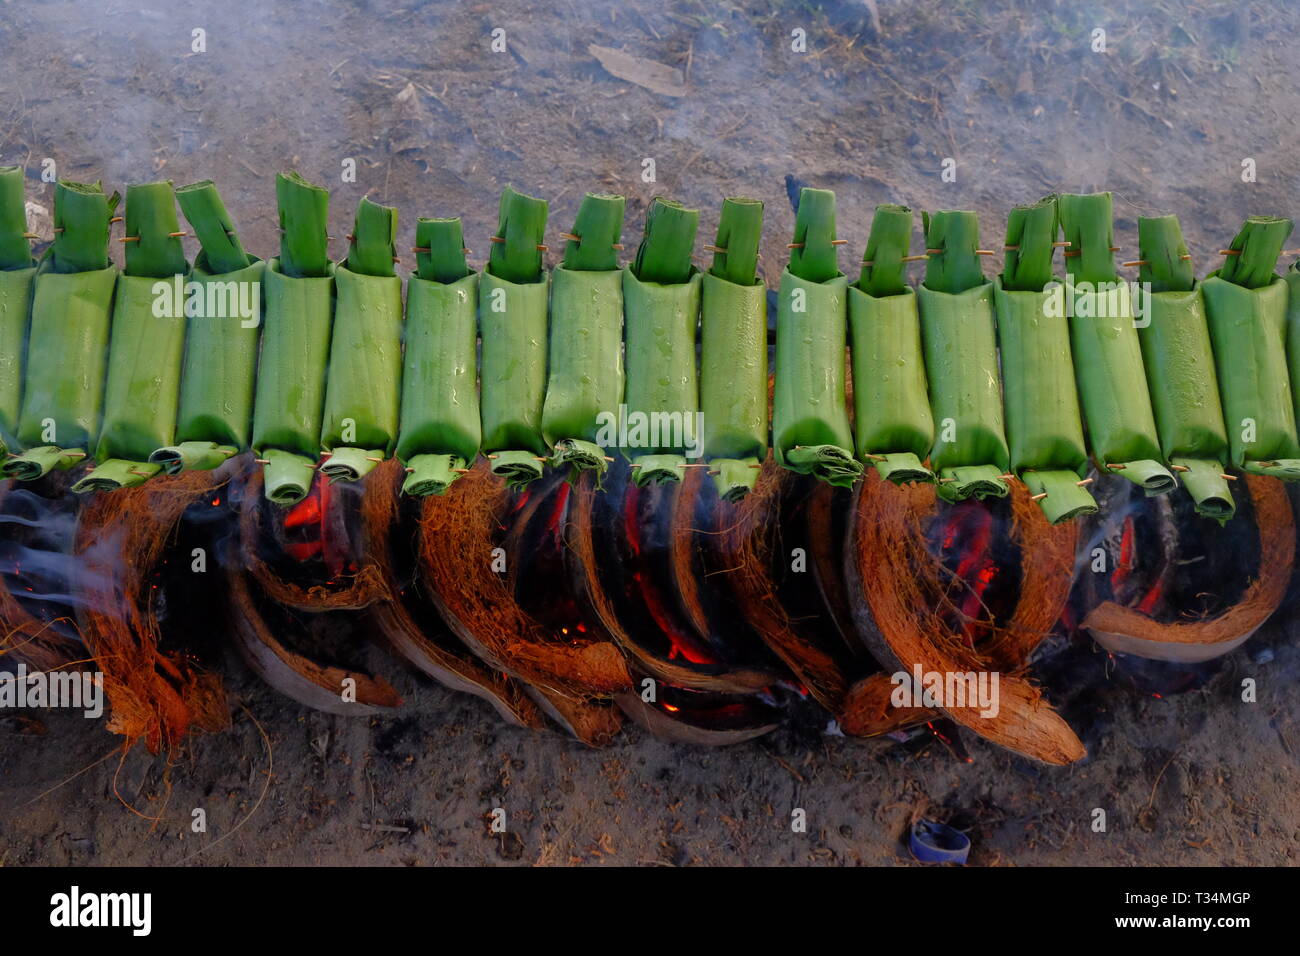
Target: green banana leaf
{"type": "Point", "coordinates": [16, 287]}
{"type": "Point", "coordinates": [586, 377]}
{"type": "Point", "coordinates": [811, 434]}
{"type": "Point", "coordinates": [363, 391]}
{"type": "Point", "coordinates": [142, 390]}
{"type": "Point", "coordinates": [1248, 329]}
{"type": "Point", "coordinates": [1117, 409]}
{"type": "Point", "coordinates": [440, 426]}
{"type": "Point", "coordinates": [970, 450]}
{"type": "Point", "coordinates": [1113, 386]}
{"type": "Point", "coordinates": [288, 410]}
{"type": "Point", "coordinates": [67, 339]}
{"type": "Point", "coordinates": [66, 364]}
{"type": "Point", "coordinates": [146, 346]}
{"type": "Point", "coordinates": [662, 382]}
{"type": "Point", "coordinates": [1293, 334]}
{"type": "Point", "coordinates": [1185, 396]}
{"type": "Point", "coordinates": [513, 323]}
{"type": "Point", "coordinates": [219, 374]}
{"type": "Point", "coordinates": [892, 420]}
{"type": "Point", "coordinates": [733, 382]}
{"type": "Point", "coordinates": [1041, 402]}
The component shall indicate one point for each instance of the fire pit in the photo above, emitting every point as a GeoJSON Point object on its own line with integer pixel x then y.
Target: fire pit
{"type": "Point", "coordinates": [702, 620]}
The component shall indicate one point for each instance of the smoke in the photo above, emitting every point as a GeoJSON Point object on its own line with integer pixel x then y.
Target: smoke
{"type": "Point", "coordinates": [37, 565]}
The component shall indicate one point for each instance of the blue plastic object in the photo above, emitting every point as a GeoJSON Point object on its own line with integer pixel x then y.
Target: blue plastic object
{"type": "Point", "coordinates": [932, 842]}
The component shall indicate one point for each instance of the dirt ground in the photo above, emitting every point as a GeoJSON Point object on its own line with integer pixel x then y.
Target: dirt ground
{"type": "Point", "coordinates": [437, 123]}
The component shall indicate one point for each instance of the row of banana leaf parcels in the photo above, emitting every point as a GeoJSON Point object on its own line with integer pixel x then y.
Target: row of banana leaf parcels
{"type": "Point", "coordinates": [1053, 366]}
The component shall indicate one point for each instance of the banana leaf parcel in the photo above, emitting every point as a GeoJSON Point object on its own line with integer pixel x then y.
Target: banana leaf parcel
{"type": "Point", "coordinates": [1107, 354]}
{"type": "Point", "coordinates": [585, 384]}
{"type": "Point", "coordinates": [67, 346]}
{"type": "Point", "coordinates": [1246, 304]}
{"type": "Point", "coordinates": [142, 391]}
{"type": "Point", "coordinates": [961, 363]}
{"type": "Point", "coordinates": [1179, 363]}
{"type": "Point", "coordinates": [661, 305]}
{"type": "Point", "coordinates": [1039, 394]}
{"type": "Point", "coordinates": [892, 421]}
{"type": "Point", "coordinates": [440, 428]}
{"type": "Point", "coordinates": [17, 279]}
{"type": "Point", "coordinates": [364, 387]}
{"type": "Point", "coordinates": [810, 420]}
{"type": "Point", "coordinates": [299, 317]}
{"type": "Point", "coordinates": [513, 325]}
{"type": "Point", "coordinates": [1292, 277]}
{"type": "Point", "coordinates": [222, 332]}
{"type": "Point", "coordinates": [733, 353]}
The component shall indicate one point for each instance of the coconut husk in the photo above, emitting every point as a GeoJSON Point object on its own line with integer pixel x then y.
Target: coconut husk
{"type": "Point", "coordinates": [825, 523]}
{"type": "Point", "coordinates": [154, 695]}
{"type": "Point", "coordinates": [868, 710]}
{"type": "Point", "coordinates": [1047, 553]}
{"type": "Point", "coordinates": [258, 529]}
{"type": "Point", "coordinates": [748, 540]}
{"type": "Point", "coordinates": [593, 722]}
{"type": "Point", "coordinates": [663, 725]}
{"type": "Point", "coordinates": [458, 531]}
{"type": "Point", "coordinates": [439, 657]}
{"type": "Point", "coordinates": [681, 547]}
{"type": "Point", "coordinates": [1129, 630]}
{"type": "Point", "coordinates": [899, 590]}
{"type": "Point", "coordinates": [325, 687]}
{"type": "Point", "coordinates": [604, 611]}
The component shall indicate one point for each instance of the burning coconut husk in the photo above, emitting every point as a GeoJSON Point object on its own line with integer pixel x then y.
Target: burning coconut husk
{"type": "Point", "coordinates": [826, 512]}
{"type": "Point", "coordinates": [973, 602]}
{"type": "Point", "coordinates": [260, 630]}
{"type": "Point", "coordinates": [472, 556]}
{"type": "Point", "coordinates": [752, 550]}
{"type": "Point", "coordinates": [620, 550]}
{"type": "Point", "coordinates": [701, 674]}
{"type": "Point", "coordinates": [746, 546]}
{"type": "Point", "coordinates": [701, 716]}
{"type": "Point", "coordinates": [289, 572]}
{"type": "Point", "coordinates": [155, 694]}
{"type": "Point", "coordinates": [304, 557]}
{"type": "Point", "coordinates": [1173, 585]}
{"type": "Point", "coordinates": [404, 612]}
{"type": "Point", "coordinates": [692, 587]}
{"type": "Point", "coordinates": [869, 711]}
